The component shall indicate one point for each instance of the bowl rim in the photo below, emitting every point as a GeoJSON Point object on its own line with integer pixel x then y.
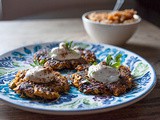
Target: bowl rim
{"type": "Point", "coordinates": [84, 18]}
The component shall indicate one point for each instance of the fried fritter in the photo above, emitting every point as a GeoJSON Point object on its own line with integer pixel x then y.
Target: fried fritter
{"type": "Point", "coordinates": [86, 57]}
{"type": "Point", "coordinates": [91, 86]}
{"type": "Point", "coordinates": [87, 85]}
{"type": "Point", "coordinates": [51, 90]}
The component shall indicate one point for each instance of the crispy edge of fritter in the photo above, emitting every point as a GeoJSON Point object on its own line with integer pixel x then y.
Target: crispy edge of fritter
{"type": "Point", "coordinates": [18, 84]}
{"type": "Point", "coordinates": [116, 88]}
{"type": "Point", "coordinates": [87, 57]}
{"type": "Point", "coordinates": [88, 86]}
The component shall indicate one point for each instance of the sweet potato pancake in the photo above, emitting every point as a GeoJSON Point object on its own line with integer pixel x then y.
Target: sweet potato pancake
{"type": "Point", "coordinates": [91, 86]}
{"type": "Point", "coordinates": [51, 90]}
{"type": "Point", "coordinates": [86, 57]}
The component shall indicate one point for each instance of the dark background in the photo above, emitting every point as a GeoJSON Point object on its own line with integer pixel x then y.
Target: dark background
{"type": "Point", "coordinates": [149, 10]}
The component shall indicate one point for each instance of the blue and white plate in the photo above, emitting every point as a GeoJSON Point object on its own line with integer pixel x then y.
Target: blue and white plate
{"type": "Point", "coordinates": [75, 102]}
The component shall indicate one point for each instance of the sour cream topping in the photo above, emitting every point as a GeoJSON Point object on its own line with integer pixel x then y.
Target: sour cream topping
{"type": "Point", "coordinates": [103, 73]}
{"type": "Point", "coordinates": [39, 74]}
{"type": "Point", "coordinates": [63, 53]}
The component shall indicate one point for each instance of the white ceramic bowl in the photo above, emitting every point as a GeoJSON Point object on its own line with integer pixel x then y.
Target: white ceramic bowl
{"type": "Point", "coordinates": [115, 34]}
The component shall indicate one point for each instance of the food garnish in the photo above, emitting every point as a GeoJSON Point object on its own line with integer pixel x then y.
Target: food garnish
{"type": "Point", "coordinates": [114, 62]}
{"type": "Point", "coordinates": [37, 63]}
{"type": "Point", "coordinates": [69, 45]}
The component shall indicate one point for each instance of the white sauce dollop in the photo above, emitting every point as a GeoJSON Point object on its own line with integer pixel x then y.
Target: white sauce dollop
{"type": "Point", "coordinates": [103, 73]}
{"type": "Point", "coordinates": [39, 74]}
{"type": "Point", "coordinates": [62, 53]}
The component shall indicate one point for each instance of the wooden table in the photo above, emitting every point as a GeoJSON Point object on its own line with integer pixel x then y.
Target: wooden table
{"type": "Point", "coordinates": [146, 42]}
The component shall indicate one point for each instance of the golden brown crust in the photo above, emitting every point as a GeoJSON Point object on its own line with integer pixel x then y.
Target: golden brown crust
{"type": "Point", "coordinates": [88, 86]}
{"type": "Point", "coordinates": [117, 88]}
{"type": "Point", "coordinates": [30, 89]}
{"type": "Point", "coordinates": [86, 57]}
{"type": "Point", "coordinates": [83, 67]}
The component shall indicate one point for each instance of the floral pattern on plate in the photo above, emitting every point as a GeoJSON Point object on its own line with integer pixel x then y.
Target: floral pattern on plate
{"type": "Point", "coordinates": [10, 63]}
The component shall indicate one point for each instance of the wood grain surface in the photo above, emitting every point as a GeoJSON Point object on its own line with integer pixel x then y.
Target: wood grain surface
{"type": "Point", "coordinates": [146, 42]}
